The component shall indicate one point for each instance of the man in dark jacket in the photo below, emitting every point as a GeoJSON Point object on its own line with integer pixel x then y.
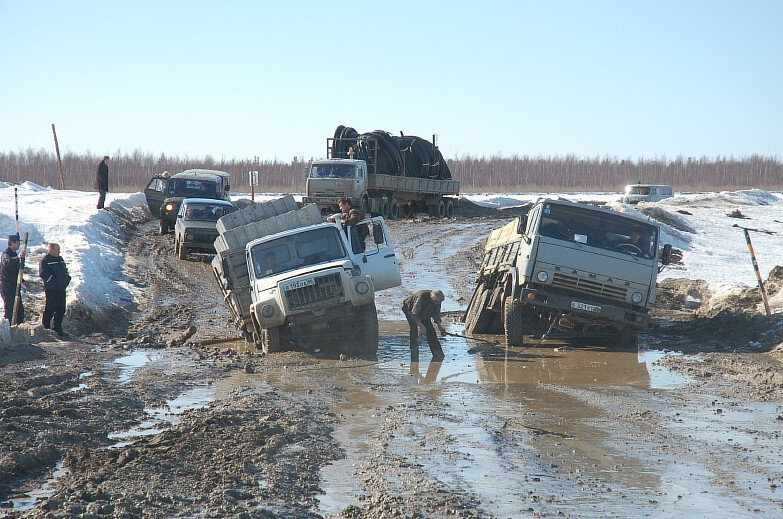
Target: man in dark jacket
{"type": "Point", "coordinates": [421, 309]}
{"type": "Point", "coordinates": [10, 264]}
{"type": "Point", "coordinates": [102, 181]}
{"type": "Point", "coordinates": [55, 276]}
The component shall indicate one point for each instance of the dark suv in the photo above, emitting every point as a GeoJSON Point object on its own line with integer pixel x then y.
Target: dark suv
{"type": "Point", "coordinates": [165, 193]}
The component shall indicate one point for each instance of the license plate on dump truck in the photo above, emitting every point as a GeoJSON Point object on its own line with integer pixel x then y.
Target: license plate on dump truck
{"type": "Point", "coordinates": [585, 307]}
{"type": "Point", "coordinates": [299, 284]}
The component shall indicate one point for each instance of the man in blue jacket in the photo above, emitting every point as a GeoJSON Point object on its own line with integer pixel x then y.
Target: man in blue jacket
{"type": "Point", "coordinates": [55, 276]}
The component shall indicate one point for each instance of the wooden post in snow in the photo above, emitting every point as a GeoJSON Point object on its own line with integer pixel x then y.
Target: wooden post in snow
{"type": "Point", "coordinates": [59, 162]}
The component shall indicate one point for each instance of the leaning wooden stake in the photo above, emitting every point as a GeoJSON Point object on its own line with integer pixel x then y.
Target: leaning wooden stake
{"type": "Point", "coordinates": [19, 281]}
{"type": "Point", "coordinates": [758, 274]}
{"type": "Point", "coordinates": [59, 162]}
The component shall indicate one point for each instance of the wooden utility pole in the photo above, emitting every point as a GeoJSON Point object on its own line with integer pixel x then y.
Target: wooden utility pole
{"type": "Point", "coordinates": [59, 162]}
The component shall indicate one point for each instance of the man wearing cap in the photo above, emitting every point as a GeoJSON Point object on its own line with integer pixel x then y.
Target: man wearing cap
{"type": "Point", "coordinates": [10, 263]}
{"type": "Point", "coordinates": [421, 309]}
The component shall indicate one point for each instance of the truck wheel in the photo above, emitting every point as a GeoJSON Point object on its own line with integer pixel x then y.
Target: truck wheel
{"type": "Point", "coordinates": [439, 209]}
{"type": "Point", "coordinates": [164, 228]}
{"type": "Point", "coordinates": [270, 340]}
{"type": "Point", "coordinates": [182, 252]}
{"type": "Point", "coordinates": [394, 209]}
{"type": "Point", "coordinates": [478, 317]}
{"type": "Point", "coordinates": [367, 331]}
{"type": "Point", "coordinates": [384, 209]}
{"type": "Point", "coordinates": [364, 205]}
{"type": "Point", "coordinates": [449, 209]}
{"type": "Point", "coordinates": [629, 339]}
{"type": "Point", "coordinates": [512, 322]}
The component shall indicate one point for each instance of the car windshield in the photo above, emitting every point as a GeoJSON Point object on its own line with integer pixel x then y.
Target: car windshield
{"type": "Point", "coordinates": [332, 171]}
{"type": "Point", "coordinates": [637, 190]}
{"type": "Point", "coordinates": [297, 250]}
{"type": "Point", "coordinates": [195, 211]}
{"type": "Point", "coordinates": [192, 188]}
{"type": "Point", "coordinates": [599, 229]}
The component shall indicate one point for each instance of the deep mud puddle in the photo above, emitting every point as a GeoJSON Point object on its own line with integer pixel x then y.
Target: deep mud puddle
{"type": "Point", "coordinates": [507, 428]}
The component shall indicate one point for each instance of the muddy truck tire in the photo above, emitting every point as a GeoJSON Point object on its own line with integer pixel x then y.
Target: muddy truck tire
{"type": "Point", "coordinates": [512, 322]}
{"type": "Point", "coordinates": [629, 339]}
{"type": "Point", "coordinates": [269, 339]}
{"type": "Point", "coordinates": [366, 339]}
{"type": "Point", "coordinates": [478, 317]}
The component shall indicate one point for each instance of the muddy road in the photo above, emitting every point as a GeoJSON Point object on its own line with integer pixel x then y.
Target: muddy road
{"type": "Point", "coordinates": [163, 414]}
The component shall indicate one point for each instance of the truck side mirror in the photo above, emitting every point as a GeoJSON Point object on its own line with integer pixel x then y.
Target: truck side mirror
{"type": "Point", "coordinates": [666, 254]}
{"type": "Point", "coordinates": [377, 234]}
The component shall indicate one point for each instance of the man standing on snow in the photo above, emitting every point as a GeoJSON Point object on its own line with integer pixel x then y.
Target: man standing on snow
{"type": "Point", "coordinates": [102, 181]}
{"type": "Point", "coordinates": [10, 263]}
{"type": "Point", "coordinates": [421, 309]}
{"type": "Point", "coordinates": [55, 276]}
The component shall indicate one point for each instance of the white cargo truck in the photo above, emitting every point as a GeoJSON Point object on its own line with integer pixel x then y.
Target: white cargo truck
{"type": "Point", "coordinates": [304, 283]}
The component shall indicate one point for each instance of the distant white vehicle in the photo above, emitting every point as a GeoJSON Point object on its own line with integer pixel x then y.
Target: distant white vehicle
{"type": "Point", "coordinates": [635, 193]}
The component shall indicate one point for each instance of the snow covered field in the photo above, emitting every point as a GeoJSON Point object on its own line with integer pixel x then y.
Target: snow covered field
{"type": "Point", "coordinates": [697, 224]}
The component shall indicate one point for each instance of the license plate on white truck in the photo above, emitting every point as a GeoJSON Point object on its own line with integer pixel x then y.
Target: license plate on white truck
{"type": "Point", "coordinates": [299, 284]}
{"type": "Point", "coordinates": [576, 305]}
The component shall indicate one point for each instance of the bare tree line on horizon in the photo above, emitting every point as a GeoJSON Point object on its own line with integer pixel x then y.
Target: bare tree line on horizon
{"type": "Point", "coordinates": [130, 172]}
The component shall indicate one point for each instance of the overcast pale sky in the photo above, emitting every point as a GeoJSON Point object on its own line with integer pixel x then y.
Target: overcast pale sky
{"type": "Point", "coordinates": [234, 79]}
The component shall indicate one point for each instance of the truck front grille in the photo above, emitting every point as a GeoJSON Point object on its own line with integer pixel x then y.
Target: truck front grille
{"type": "Point", "coordinates": [589, 286]}
{"type": "Point", "coordinates": [325, 288]}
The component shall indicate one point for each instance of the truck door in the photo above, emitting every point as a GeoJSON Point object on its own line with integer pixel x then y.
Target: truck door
{"type": "Point", "coordinates": [155, 193]}
{"type": "Point", "coordinates": [370, 245]}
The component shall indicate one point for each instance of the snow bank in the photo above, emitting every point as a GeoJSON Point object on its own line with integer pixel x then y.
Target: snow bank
{"type": "Point", "coordinates": [90, 240]}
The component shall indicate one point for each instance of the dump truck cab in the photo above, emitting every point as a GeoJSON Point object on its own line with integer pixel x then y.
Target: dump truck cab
{"type": "Point", "coordinates": [580, 270]}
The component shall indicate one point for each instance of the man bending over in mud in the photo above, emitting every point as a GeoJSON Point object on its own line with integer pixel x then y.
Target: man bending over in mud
{"type": "Point", "coordinates": [421, 309]}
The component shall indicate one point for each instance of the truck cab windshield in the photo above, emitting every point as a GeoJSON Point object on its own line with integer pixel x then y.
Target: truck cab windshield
{"type": "Point", "coordinates": [637, 190]}
{"type": "Point", "coordinates": [192, 188]}
{"type": "Point", "coordinates": [297, 250]}
{"type": "Point", "coordinates": [332, 171]}
{"type": "Point", "coordinates": [206, 212]}
{"type": "Point", "coordinates": [597, 229]}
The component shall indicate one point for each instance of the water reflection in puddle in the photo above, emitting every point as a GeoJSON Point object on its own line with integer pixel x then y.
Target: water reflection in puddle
{"type": "Point", "coordinates": [45, 491]}
{"type": "Point", "coordinates": [518, 382]}
{"type": "Point", "coordinates": [131, 362]}
{"type": "Point", "coordinates": [161, 418]}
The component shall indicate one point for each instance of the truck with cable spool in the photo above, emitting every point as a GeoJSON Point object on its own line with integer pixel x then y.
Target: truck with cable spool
{"type": "Point", "coordinates": [383, 174]}
{"type": "Point", "coordinates": [568, 270]}
{"type": "Point", "coordinates": [293, 281]}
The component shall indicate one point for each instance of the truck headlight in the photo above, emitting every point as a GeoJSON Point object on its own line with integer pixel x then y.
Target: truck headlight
{"type": "Point", "coordinates": [362, 287]}
{"type": "Point", "coordinates": [169, 207]}
{"type": "Point", "coordinates": [268, 311]}
{"type": "Point", "coordinates": [542, 276]}
{"type": "Point", "coordinates": [636, 297]}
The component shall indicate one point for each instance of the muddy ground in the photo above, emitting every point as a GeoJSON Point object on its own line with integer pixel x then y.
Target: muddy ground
{"type": "Point", "coordinates": [146, 416]}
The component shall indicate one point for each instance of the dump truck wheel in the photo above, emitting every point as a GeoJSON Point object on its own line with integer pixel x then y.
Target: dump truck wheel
{"type": "Point", "coordinates": [270, 340]}
{"type": "Point", "coordinates": [479, 317]}
{"type": "Point", "coordinates": [629, 339]}
{"type": "Point", "coordinates": [512, 322]}
{"type": "Point", "coordinates": [366, 342]}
